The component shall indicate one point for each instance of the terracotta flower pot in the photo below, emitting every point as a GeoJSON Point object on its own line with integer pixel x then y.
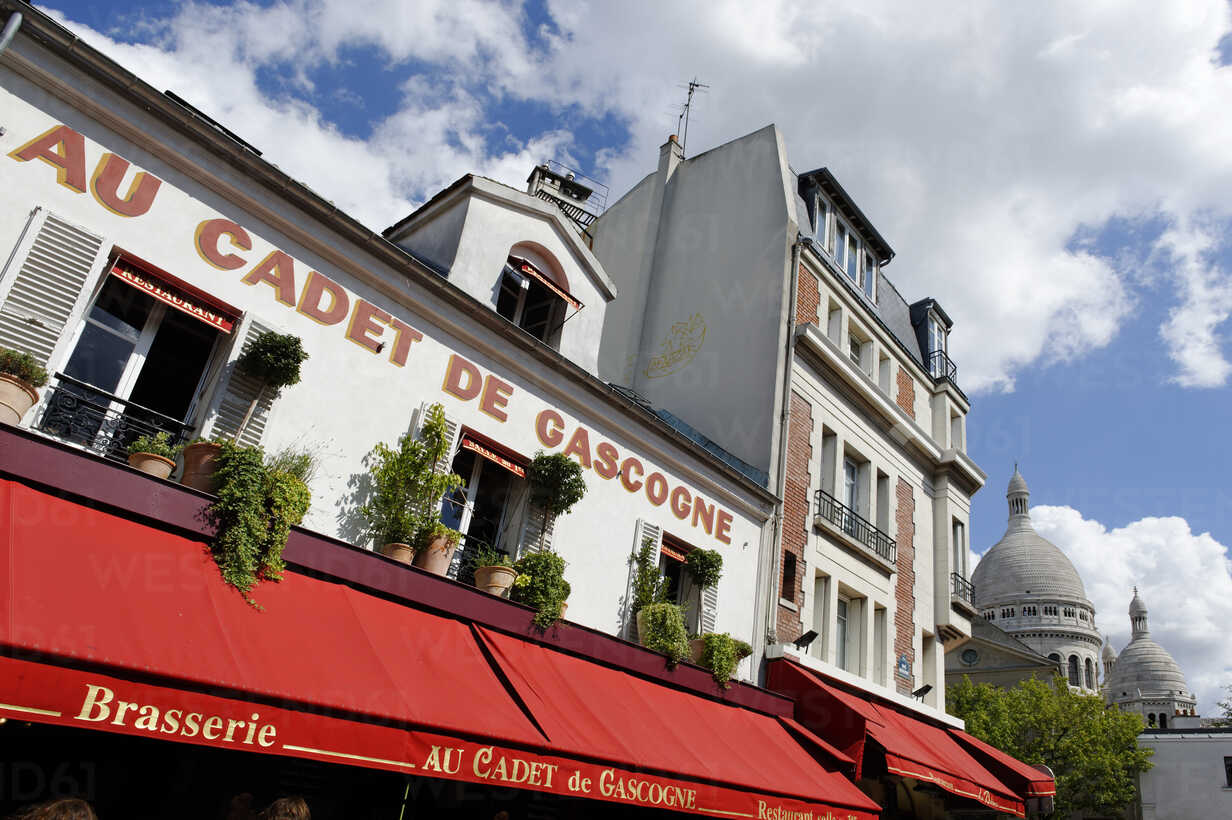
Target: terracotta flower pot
{"type": "Point", "coordinates": [16, 397]}
{"type": "Point", "coordinates": [200, 463]}
{"type": "Point", "coordinates": [154, 465]}
{"type": "Point", "coordinates": [435, 557]}
{"type": "Point", "coordinates": [495, 580]}
{"type": "Point", "coordinates": [398, 552]}
{"type": "Point", "coordinates": [697, 648]}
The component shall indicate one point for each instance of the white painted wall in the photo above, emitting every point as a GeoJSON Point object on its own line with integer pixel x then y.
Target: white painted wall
{"type": "Point", "coordinates": [349, 397]}
{"type": "Point", "coordinates": [1187, 778]}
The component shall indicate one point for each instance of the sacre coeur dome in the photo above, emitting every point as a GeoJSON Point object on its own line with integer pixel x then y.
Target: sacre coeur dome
{"type": "Point", "coordinates": [1023, 562]}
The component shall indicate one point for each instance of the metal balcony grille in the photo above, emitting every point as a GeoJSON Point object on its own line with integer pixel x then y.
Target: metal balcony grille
{"type": "Point", "coordinates": [960, 587]}
{"type": "Point", "coordinates": [941, 366]}
{"type": "Point", "coordinates": [572, 210]}
{"type": "Point", "coordinates": [75, 412]}
{"type": "Point", "coordinates": [850, 522]}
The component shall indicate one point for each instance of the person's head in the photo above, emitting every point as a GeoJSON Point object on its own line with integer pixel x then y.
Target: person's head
{"type": "Point", "coordinates": [66, 808]}
{"type": "Point", "coordinates": [287, 808]}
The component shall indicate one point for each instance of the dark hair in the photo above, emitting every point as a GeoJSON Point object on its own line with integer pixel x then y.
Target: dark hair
{"type": "Point", "coordinates": [286, 808]}
{"type": "Point", "coordinates": [66, 808]}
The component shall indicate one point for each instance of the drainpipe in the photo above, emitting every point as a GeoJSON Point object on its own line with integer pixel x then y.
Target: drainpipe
{"type": "Point", "coordinates": [781, 467]}
{"type": "Point", "coordinates": [10, 30]}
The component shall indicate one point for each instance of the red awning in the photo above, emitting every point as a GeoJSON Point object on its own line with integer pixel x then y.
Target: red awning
{"type": "Point", "coordinates": [912, 747]}
{"type": "Point", "coordinates": [1025, 778]}
{"type": "Point", "coordinates": [524, 267]}
{"type": "Point", "coordinates": [111, 624]}
{"type": "Point", "coordinates": [179, 295]}
{"type": "Point", "coordinates": [493, 454]}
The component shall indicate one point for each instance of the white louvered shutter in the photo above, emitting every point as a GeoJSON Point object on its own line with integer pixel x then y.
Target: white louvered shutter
{"type": "Point", "coordinates": [710, 609]}
{"type": "Point", "coordinates": [47, 286]}
{"type": "Point", "coordinates": [237, 394]}
{"type": "Point", "coordinates": [536, 519]}
{"type": "Point", "coordinates": [643, 530]}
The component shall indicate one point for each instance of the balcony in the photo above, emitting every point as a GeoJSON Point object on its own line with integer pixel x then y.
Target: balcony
{"type": "Point", "coordinates": [962, 589]}
{"type": "Point", "coordinates": [76, 413]}
{"type": "Point", "coordinates": [848, 521]}
{"type": "Point", "coordinates": [942, 368]}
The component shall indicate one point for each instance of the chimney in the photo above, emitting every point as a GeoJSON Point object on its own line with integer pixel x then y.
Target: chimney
{"type": "Point", "coordinates": [670, 155]}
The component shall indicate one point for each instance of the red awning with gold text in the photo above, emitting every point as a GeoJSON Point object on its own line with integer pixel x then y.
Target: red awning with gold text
{"type": "Point", "coordinates": [111, 624]}
{"type": "Point", "coordinates": [492, 454]}
{"type": "Point", "coordinates": [524, 267]}
{"type": "Point", "coordinates": [912, 747]}
{"type": "Point", "coordinates": [178, 295]}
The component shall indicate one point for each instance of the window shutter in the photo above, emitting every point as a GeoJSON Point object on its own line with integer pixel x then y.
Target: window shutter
{"type": "Point", "coordinates": [237, 395]}
{"type": "Point", "coordinates": [643, 530]}
{"type": "Point", "coordinates": [710, 609]}
{"type": "Point", "coordinates": [536, 518]}
{"type": "Point", "coordinates": [453, 430]}
{"type": "Point", "coordinates": [47, 286]}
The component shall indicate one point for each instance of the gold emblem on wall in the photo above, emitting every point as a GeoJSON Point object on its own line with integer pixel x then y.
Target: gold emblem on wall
{"type": "Point", "coordinates": [679, 348]}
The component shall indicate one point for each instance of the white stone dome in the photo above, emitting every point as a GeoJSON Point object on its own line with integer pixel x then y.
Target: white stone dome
{"type": "Point", "coordinates": [1024, 563]}
{"type": "Point", "coordinates": [1144, 669]}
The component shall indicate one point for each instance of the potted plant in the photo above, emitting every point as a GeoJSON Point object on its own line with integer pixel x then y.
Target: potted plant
{"type": "Point", "coordinates": [556, 484]}
{"type": "Point", "coordinates": [494, 572]}
{"type": "Point", "coordinates": [705, 567]}
{"type": "Point", "coordinates": [661, 629]}
{"type": "Point", "coordinates": [257, 504]}
{"type": "Point", "coordinates": [20, 377]}
{"type": "Point", "coordinates": [649, 585]}
{"type": "Point", "coordinates": [541, 584]}
{"type": "Point", "coordinates": [273, 359]}
{"type": "Point", "coordinates": [721, 654]}
{"type": "Point", "coordinates": [154, 454]}
{"type": "Point", "coordinates": [403, 512]}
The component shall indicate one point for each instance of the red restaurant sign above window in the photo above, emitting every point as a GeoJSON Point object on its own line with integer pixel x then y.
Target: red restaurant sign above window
{"type": "Point", "coordinates": [177, 295]}
{"type": "Point", "coordinates": [469, 443]}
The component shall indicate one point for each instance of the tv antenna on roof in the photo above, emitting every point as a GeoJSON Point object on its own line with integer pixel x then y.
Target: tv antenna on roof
{"type": "Point", "coordinates": [683, 119]}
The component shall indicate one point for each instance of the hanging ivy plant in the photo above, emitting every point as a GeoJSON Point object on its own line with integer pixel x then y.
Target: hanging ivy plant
{"type": "Point", "coordinates": [722, 654]}
{"type": "Point", "coordinates": [253, 515]}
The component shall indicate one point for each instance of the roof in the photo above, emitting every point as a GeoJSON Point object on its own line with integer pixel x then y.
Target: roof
{"type": "Point", "coordinates": [984, 630]}
{"type": "Point", "coordinates": [825, 180]}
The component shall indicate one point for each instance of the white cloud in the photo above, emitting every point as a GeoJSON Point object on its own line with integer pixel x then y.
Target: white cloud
{"type": "Point", "coordinates": [979, 137]}
{"type": "Point", "coordinates": [1185, 579]}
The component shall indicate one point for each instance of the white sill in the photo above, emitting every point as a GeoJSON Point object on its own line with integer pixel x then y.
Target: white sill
{"type": "Point", "coordinates": [788, 604]}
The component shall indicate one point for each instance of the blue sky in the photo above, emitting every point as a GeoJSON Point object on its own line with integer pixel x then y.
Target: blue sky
{"type": "Point", "coordinates": [1053, 177]}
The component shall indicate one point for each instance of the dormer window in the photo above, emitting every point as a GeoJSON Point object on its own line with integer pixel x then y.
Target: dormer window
{"type": "Point", "coordinates": [530, 298]}
{"type": "Point", "coordinates": [823, 234]}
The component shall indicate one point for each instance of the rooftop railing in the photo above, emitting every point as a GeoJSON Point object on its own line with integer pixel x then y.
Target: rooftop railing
{"type": "Point", "coordinates": [850, 522]}
{"type": "Point", "coordinates": [960, 587]}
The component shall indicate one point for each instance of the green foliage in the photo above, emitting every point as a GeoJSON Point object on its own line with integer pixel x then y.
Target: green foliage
{"type": "Point", "coordinates": [705, 566]}
{"type": "Point", "coordinates": [489, 556]}
{"type": "Point", "coordinates": [1225, 706]}
{"type": "Point", "coordinates": [299, 461]}
{"type": "Point", "coordinates": [253, 515]}
{"type": "Point", "coordinates": [158, 444]}
{"type": "Point", "coordinates": [556, 484]}
{"type": "Point", "coordinates": [541, 584]}
{"type": "Point", "coordinates": [405, 504]}
{"type": "Point", "coordinates": [661, 629]}
{"type": "Point", "coordinates": [649, 585]}
{"type": "Point", "coordinates": [274, 359]}
{"type": "Point", "coordinates": [1093, 750]}
{"type": "Point", "coordinates": [722, 654]}
{"type": "Point", "coordinates": [22, 366]}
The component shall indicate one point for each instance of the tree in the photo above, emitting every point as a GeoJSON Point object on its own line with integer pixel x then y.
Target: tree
{"type": "Point", "coordinates": [1092, 749]}
{"type": "Point", "coordinates": [556, 484]}
{"type": "Point", "coordinates": [1225, 706]}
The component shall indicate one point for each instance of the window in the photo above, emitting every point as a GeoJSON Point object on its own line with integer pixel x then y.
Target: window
{"type": "Point", "coordinates": [936, 335]}
{"type": "Point", "coordinates": [1069, 612]}
{"type": "Point", "coordinates": [1007, 612]}
{"type": "Point", "coordinates": [788, 585]}
{"type": "Point", "coordinates": [1227, 771]}
{"type": "Point", "coordinates": [853, 258]}
{"type": "Point", "coordinates": [1073, 671]}
{"type": "Point", "coordinates": [1055, 658]}
{"type": "Point", "coordinates": [879, 644]}
{"type": "Point", "coordinates": [958, 542]}
{"type": "Point", "coordinates": [854, 346]}
{"type": "Point", "coordinates": [524, 299]}
{"type": "Point", "coordinates": [1030, 611]}
{"type": "Point", "coordinates": [839, 242]}
{"type": "Point", "coordinates": [1090, 673]}
{"type": "Point", "coordinates": [1163, 721]}
{"type": "Point", "coordinates": [869, 274]}
{"type": "Point", "coordinates": [483, 509]}
{"type": "Point", "coordinates": [134, 357]}
{"type": "Point", "coordinates": [840, 631]}
{"type": "Point", "coordinates": [1150, 720]}
{"type": "Point", "coordinates": [1050, 610]}
{"type": "Point", "coordinates": [823, 234]}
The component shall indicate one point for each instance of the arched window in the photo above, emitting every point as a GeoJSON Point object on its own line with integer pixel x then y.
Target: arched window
{"type": "Point", "coordinates": [1150, 720]}
{"type": "Point", "coordinates": [1074, 679]}
{"type": "Point", "coordinates": [1090, 674]}
{"type": "Point", "coordinates": [533, 292]}
{"type": "Point", "coordinates": [1163, 721]}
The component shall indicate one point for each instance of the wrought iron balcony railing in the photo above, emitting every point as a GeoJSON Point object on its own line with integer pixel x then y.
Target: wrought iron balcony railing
{"type": "Point", "coordinates": [941, 366]}
{"type": "Point", "coordinates": [850, 522]}
{"type": "Point", "coordinates": [960, 587]}
{"type": "Point", "coordinates": [75, 412]}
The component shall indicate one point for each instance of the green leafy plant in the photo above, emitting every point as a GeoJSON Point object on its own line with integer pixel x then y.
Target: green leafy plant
{"type": "Point", "coordinates": [22, 366]}
{"type": "Point", "coordinates": [541, 584]}
{"type": "Point", "coordinates": [649, 585]}
{"type": "Point", "coordinates": [489, 556]}
{"type": "Point", "coordinates": [407, 488]}
{"type": "Point", "coordinates": [556, 484]}
{"type": "Point", "coordinates": [661, 629]}
{"type": "Point", "coordinates": [158, 444]}
{"type": "Point", "coordinates": [722, 654]}
{"type": "Point", "coordinates": [298, 460]}
{"type": "Point", "coordinates": [705, 567]}
{"type": "Point", "coordinates": [253, 515]}
{"type": "Point", "coordinates": [273, 359]}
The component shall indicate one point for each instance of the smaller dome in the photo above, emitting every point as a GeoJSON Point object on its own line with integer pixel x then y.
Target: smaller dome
{"type": "Point", "coordinates": [1136, 606]}
{"type": "Point", "coordinates": [1109, 654]}
{"type": "Point", "coordinates": [1018, 484]}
